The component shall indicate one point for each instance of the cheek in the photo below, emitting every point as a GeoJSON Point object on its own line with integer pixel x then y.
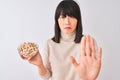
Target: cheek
{"type": "Point", "coordinates": [75, 24]}
{"type": "Point", "coordinates": [74, 28]}
{"type": "Point", "coordinates": [60, 23]}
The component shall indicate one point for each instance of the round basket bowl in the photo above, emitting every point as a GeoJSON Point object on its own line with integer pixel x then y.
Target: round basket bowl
{"type": "Point", "coordinates": [28, 50]}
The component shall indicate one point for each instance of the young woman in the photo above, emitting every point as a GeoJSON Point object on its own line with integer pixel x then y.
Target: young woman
{"type": "Point", "coordinates": [69, 55]}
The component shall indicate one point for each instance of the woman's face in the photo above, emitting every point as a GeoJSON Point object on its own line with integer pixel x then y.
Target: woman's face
{"type": "Point", "coordinates": [67, 24]}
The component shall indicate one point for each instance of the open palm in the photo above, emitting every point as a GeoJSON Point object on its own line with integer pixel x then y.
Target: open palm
{"type": "Point", "coordinates": [90, 59]}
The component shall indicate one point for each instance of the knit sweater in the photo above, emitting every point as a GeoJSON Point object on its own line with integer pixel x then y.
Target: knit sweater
{"type": "Point", "coordinates": [56, 58]}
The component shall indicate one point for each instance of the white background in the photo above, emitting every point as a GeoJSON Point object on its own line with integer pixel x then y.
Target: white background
{"type": "Point", "coordinates": [33, 20]}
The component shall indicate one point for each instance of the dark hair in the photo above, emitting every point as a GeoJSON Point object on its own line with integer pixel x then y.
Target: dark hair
{"type": "Point", "coordinates": [70, 8]}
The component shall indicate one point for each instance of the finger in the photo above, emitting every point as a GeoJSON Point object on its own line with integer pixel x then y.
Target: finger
{"type": "Point", "coordinates": [29, 58]}
{"type": "Point", "coordinates": [32, 57]}
{"type": "Point", "coordinates": [88, 46]}
{"type": "Point", "coordinates": [73, 61]}
{"type": "Point", "coordinates": [83, 44]}
{"type": "Point", "coordinates": [93, 50]}
{"type": "Point", "coordinates": [99, 56]}
{"type": "Point", "coordinates": [22, 57]}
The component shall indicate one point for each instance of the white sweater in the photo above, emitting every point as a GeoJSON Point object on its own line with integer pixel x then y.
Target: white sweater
{"type": "Point", "coordinates": [56, 58]}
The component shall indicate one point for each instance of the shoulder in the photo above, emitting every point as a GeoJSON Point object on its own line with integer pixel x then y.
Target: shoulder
{"type": "Point", "coordinates": [50, 42]}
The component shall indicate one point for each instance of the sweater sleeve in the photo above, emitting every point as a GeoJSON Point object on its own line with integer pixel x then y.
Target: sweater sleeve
{"type": "Point", "coordinates": [46, 62]}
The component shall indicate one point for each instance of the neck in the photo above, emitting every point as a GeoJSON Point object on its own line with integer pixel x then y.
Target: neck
{"type": "Point", "coordinates": [68, 37]}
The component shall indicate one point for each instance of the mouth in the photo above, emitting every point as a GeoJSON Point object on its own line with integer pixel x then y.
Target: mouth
{"type": "Point", "coordinates": [67, 28]}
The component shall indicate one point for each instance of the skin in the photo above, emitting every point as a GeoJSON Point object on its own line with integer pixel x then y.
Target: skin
{"type": "Point", "coordinates": [67, 24]}
{"type": "Point", "coordinates": [90, 63]}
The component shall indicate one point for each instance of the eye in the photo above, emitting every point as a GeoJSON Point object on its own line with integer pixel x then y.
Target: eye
{"type": "Point", "coordinates": [72, 17]}
{"type": "Point", "coordinates": [62, 16]}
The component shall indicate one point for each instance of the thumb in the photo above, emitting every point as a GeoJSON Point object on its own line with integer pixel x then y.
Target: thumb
{"type": "Point", "coordinates": [73, 61]}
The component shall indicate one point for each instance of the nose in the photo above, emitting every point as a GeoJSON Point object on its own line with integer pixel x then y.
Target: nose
{"type": "Point", "coordinates": [67, 20]}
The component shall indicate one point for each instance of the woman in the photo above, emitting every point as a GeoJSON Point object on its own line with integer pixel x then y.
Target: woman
{"type": "Point", "coordinates": [68, 55]}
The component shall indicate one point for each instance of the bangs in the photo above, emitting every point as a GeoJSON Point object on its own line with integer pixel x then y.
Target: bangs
{"type": "Point", "coordinates": [68, 8]}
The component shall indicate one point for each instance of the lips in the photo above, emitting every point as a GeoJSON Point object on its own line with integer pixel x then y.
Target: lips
{"type": "Point", "coordinates": [67, 27]}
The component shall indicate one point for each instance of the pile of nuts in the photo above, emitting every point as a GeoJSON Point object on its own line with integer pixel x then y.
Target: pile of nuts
{"type": "Point", "coordinates": [28, 49]}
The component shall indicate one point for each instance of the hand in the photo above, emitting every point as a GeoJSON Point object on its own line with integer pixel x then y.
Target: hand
{"type": "Point", "coordinates": [90, 59]}
{"type": "Point", "coordinates": [35, 60]}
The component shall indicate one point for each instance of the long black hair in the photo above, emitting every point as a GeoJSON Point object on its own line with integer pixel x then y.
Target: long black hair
{"type": "Point", "coordinates": [70, 8]}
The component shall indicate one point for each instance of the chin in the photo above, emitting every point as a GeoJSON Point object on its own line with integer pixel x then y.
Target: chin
{"type": "Point", "coordinates": [68, 32]}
